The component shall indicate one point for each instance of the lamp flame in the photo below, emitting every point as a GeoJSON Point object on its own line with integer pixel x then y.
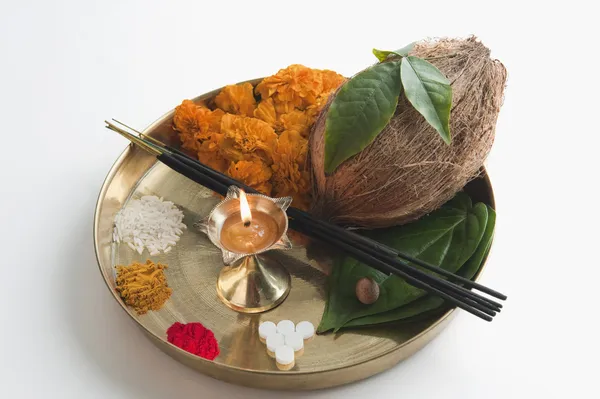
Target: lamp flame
{"type": "Point", "coordinates": [245, 209]}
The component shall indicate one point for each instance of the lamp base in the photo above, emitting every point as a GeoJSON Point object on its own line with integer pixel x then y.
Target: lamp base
{"type": "Point", "coordinates": [254, 284]}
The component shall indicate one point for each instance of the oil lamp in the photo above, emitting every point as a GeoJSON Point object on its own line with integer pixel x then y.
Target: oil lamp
{"type": "Point", "coordinates": [245, 227]}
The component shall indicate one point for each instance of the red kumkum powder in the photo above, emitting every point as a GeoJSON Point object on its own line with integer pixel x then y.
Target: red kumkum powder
{"type": "Point", "coordinates": [194, 338]}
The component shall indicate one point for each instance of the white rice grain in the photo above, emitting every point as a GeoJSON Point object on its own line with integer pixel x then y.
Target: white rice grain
{"type": "Point", "coordinates": [149, 223]}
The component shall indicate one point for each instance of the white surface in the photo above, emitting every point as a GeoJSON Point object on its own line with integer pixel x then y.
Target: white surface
{"type": "Point", "coordinates": [67, 66]}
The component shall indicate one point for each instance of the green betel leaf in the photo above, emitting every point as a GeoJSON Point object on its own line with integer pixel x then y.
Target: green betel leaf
{"type": "Point", "coordinates": [474, 263]}
{"type": "Point", "coordinates": [381, 54]}
{"type": "Point", "coordinates": [360, 111]}
{"type": "Point", "coordinates": [432, 302]}
{"type": "Point", "coordinates": [403, 52]}
{"type": "Point", "coordinates": [460, 201]}
{"type": "Point", "coordinates": [447, 237]}
{"type": "Point", "coordinates": [429, 92]}
{"type": "Point", "coordinates": [342, 302]}
{"type": "Point", "coordinates": [415, 308]}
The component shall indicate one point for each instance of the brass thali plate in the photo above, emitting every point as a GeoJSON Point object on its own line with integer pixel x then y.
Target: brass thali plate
{"type": "Point", "coordinates": [194, 264]}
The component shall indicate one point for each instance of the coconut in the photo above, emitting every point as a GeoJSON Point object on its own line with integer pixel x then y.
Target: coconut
{"type": "Point", "coordinates": [408, 170]}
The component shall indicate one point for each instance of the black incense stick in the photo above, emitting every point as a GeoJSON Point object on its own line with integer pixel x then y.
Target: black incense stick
{"type": "Point", "coordinates": [370, 244]}
{"type": "Point", "coordinates": [364, 249]}
{"type": "Point", "coordinates": [340, 230]}
{"type": "Point", "coordinates": [193, 174]}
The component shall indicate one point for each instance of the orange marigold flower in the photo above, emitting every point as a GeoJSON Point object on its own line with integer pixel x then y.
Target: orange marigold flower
{"type": "Point", "coordinates": [265, 111]}
{"type": "Point", "coordinates": [247, 139]}
{"type": "Point", "coordinates": [210, 155]}
{"type": "Point", "coordinates": [212, 143]}
{"type": "Point", "coordinates": [209, 121]}
{"type": "Point", "coordinates": [291, 147]}
{"type": "Point", "coordinates": [254, 173]}
{"type": "Point", "coordinates": [195, 123]}
{"type": "Point", "coordinates": [313, 111]}
{"type": "Point", "coordinates": [184, 119]}
{"type": "Point", "coordinates": [214, 160]}
{"type": "Point", "coordinates": [186, 123]}
{"type": "Point", "coordinates": [331, 81]}
{"type": "Point", "coordinates": [237, 99]}
{"type": "Point", "coordinates": [284, 108]}
{"type": "Point", "coordinates": [289, 177]}
{"type": "Point", "coordinates": [244, 143]}
{"type": "Point", "coordinates": [297, 86]}
{"type": "Point", "coordinates": [298, 121]}
{"type": "Point", "coordinates": [289, 180]}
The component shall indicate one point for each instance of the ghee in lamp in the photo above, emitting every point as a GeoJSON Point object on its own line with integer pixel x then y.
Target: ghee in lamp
{"type": "Point", "coordinates": [248, 232]}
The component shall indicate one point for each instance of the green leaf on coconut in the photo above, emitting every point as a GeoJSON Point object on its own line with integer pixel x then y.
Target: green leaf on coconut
{"type": "Point", "coordinates": [403, 52]}
{"type": "Point", "coordinates": [360, 111]}
{"type": "Point", "coordinates": [447, 237]}
{"type": "Point", "coordinates": [429, 92]}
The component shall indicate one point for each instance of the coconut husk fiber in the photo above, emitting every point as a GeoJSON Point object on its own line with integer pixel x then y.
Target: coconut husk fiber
{"type": "Point", "coordinates": [408, 170]}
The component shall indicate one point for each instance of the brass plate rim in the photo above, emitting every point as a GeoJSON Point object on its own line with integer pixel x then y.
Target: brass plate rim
{"type": "Point", "coordinates": [130, 151]}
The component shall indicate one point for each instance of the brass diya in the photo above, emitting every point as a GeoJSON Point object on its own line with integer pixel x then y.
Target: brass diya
{"type": "Point", "coordinates": [251, 281]}
{"type": "Point", "coordinates": [195, 263]}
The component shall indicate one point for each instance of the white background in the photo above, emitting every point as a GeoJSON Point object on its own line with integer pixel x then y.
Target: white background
{"type": "Point", "coordinates": [67, 66]}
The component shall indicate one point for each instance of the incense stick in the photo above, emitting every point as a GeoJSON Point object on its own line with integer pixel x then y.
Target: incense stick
{"type": "Point", "coordinates": [362, 248]}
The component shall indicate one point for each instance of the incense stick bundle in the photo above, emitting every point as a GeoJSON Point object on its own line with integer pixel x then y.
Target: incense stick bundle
{"type": "Point", "coordinates": [448, 286]}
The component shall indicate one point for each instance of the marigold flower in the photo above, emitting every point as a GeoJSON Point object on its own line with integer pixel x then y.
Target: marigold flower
{"type": "Point", "coordinates": [247, 139]}
{"type": "Point", "coordinates": [240, 137]}
{"type": "Point", "coordinates": [292, 147]}
{"type": "Point", "coordinates": [298, 121]}
{"type": "Point", "coordinates": [265, 111]}
{"type": "Point", "coordinates": [331, 81]}
{"type": "Point", "coordinates": [297, 86]}
{"type": "Point", "coordinates": [209, 153]}
{"type": "Point", "coordinates": [289, 176]}
{"type": "Point", "coordinates": [254, 173]}
{"type": "Point", "coordinates": [195, 123]}
{"type": "Point", "coordinates": [209, 121]}
{"type": "Point", "coordinates": [284, 108]}
{"type": "Point", "coordinates": [237, 99]}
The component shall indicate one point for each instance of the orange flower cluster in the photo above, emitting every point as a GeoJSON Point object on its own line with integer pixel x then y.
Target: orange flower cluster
{"type": "Point", "coordinates": [263, 144]}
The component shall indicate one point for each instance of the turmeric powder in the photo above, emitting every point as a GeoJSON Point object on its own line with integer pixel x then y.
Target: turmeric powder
{"type": "Point", "coordinates": [261, 143]}
{"type": "Point", "coordinates": [143, 286]}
